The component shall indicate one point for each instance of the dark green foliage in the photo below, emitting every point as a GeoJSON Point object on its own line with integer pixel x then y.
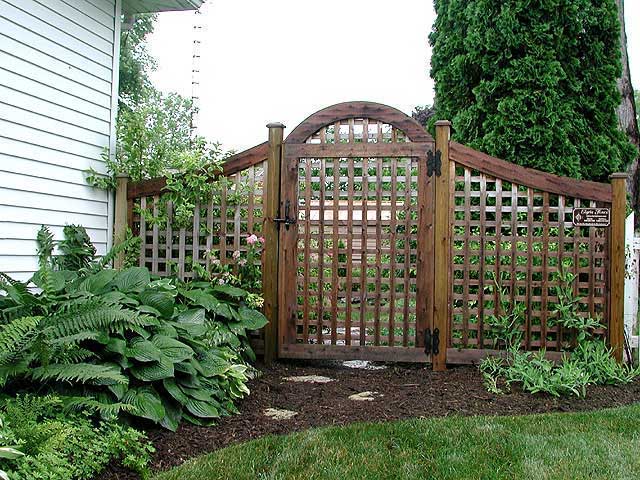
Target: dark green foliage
{"type": "Point", "coordinates": [533, 82]}
{"type": "Point", "coordinates": [58, 445]}
{"type": "Point", "coordinates": [76, 248]}
{"type": "Point", "coordinates": [121, 342]}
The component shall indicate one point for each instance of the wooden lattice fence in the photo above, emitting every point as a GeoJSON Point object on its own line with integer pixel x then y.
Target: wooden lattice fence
{"type": "Point", "coordinates": [379, 239]}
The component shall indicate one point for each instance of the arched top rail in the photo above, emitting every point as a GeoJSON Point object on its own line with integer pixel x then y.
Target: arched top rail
{"type": "Point", "coordinates": [547, 182]}
{"type": "Point", "coordinates": [348, 110]}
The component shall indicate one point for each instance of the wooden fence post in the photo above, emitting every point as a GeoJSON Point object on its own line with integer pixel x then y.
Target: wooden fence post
{"type": "Point", "coordinates": [617, 262]}
{"type": "Point", "coordinates": [271, 248]}
{"type": "Point", "coordinates": [120, 222]}
{"type": "Point", "coordinates": [442, 247]}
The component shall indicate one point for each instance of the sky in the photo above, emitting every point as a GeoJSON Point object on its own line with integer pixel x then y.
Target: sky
{"type": "Point", "coordinates": [282, 60]}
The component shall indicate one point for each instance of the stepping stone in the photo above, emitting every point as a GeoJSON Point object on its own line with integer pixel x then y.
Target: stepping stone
{"type": "Point", "coordinates": [363, 365]}
{"type": "Point", "coordinates": [364, 396]}
{"type": "Point", "coordinates": [309, 379]}
{"type": "Point", "coordinates": [279, 414]}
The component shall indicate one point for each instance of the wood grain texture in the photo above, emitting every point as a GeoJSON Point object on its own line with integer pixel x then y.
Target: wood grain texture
{"type": "Point", "coordinates": [617, 259]}
{"type": "Point", "coordinates": [370, 110]}
{"type": "Point", "coordinates": [442, 247]}
{"type": "Point", "coordinates": [271, 247]}
{"type": "Point", "coordinates": [511, 172]}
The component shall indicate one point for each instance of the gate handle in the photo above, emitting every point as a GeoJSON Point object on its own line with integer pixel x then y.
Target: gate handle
{"type": "Point", "coordinates": [287, 220]}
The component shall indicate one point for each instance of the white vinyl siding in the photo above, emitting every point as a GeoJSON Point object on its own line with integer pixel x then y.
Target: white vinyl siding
{"type": "Point", "coordinates": [56, 120]}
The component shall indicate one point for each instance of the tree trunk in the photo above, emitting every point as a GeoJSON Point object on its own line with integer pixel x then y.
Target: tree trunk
{"type": "Point", "coordinates": [627, 119]}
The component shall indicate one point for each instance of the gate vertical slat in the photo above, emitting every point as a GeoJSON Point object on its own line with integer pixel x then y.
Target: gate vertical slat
{"type": "Point", "coordinates": [424, 261]}
{"type": "Point", "coordinates": [322, 200]}
{"type": "Point", "coordinates": [408, 172]}
{"type": "Point", "coordinates": [335, 220]}
{"type": "Point", "coordinates": [392, 262]}
{"type": "Point", "coordinates": [287, 273]}
{"type": "Point", "coordinates": [307, 251]}
{"type": "Point", "coordinates": [378, 247]}
{"type": "Point", "coordinates": [349, 256]}
{"type": "Point", "coordinates": [363, 252]}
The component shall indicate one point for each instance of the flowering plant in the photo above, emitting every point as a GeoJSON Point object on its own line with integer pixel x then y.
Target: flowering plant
{"type": "Point", "coordinates": [244, 271]}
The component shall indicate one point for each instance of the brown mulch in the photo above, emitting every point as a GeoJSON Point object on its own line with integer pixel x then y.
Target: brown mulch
{"type": "Point", "coordinates": [408, 391]}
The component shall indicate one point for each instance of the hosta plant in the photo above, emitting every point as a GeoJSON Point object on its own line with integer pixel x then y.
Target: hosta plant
{"type": "Point", "coordinates": [122, 343]}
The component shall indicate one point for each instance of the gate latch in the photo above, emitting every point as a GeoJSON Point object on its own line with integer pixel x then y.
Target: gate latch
{"type": "Point", "coordinates": [434, 163]}
{"type": "Point", "coordinates": [287, 220]}
{"type": "Point", "coordinates": [432, 341]}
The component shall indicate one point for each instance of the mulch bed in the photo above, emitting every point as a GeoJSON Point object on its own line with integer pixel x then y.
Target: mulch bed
{"type": "Point", "coordinates": [408, 391]}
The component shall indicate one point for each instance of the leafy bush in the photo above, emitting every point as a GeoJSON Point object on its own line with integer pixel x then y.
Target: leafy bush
{"type": "Point", "coordinates": [590, 362]}
{"type": "Point", "coordinates": [120, 342]}
{"type": "Point", "coordinates": [533, 82]}
{"type": "Point", "coordinates": [57, 445]}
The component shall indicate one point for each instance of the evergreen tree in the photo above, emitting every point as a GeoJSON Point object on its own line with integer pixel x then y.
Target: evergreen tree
{"type": "Point", "coordinates": [533, 82]}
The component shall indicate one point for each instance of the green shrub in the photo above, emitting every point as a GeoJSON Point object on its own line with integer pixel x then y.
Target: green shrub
{"type": "Point", "coordinates": [122, 343]}
{"type": "Point", "coordinates": [58, 445]}
{"type": "Point", "coordinates": [533, 82]}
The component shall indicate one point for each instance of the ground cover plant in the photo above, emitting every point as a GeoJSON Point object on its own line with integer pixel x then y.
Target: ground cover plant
{"type": "Point", "coordinates": [590, 361]}
{"type": "Point", "coordinates": [122, 343]}
{"type": "Point", "coordinates": [49, 443]}
{"type": "Point", "coordinates": [599, 445]}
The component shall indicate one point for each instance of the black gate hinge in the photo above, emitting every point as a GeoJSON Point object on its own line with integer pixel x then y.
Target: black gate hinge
{"type": "Point", "coordinates": [434, 163]}
{"type": "Point", "coordinates": [432, 341]}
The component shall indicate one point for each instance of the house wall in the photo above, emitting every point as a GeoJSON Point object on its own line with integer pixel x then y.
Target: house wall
{"type": "Point", "coordinates": [57, 114]}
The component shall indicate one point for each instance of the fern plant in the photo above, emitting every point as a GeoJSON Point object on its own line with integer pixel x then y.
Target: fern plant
{"type": "Point", "coordinates": [120, 343]}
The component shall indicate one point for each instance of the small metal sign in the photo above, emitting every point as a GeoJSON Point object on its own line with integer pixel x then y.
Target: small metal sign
{"type": "Point", "coordinates": [591, 217]}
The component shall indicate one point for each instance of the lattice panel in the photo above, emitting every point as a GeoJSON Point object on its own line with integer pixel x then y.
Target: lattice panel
{"type": "Point", "coordinates": [520, 236]}
{"type": "Point", "coordinates": [217, 230]}
{"type": "Point", "coordinates": [357, 240]}
{"type": "Point", "coordinates": [358, 130]}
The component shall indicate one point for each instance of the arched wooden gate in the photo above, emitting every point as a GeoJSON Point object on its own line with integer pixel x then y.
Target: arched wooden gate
{"type": "Point", "coordinates": [357, 236]}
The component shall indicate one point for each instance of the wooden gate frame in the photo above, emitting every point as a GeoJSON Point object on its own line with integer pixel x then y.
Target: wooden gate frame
{"type": "Point", "coordinates": [282, 178]}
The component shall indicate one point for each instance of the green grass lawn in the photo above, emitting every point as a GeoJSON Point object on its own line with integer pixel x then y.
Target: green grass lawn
{"type": "Point", "coordinates": [599, 445]}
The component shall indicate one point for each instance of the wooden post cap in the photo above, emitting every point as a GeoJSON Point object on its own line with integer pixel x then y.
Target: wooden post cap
{"type": "Point", "coordinates": [276, 125]}
{"type": "Point", "coordinates": [619, 175]}
{"type": "Point", "coordinates": [122, 175]}
{"type": "Point", "coordinates": [443, 123]}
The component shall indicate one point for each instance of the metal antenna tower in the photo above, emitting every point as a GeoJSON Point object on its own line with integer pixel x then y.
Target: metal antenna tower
{"type": "Point", "coordinates": [195, 72]}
